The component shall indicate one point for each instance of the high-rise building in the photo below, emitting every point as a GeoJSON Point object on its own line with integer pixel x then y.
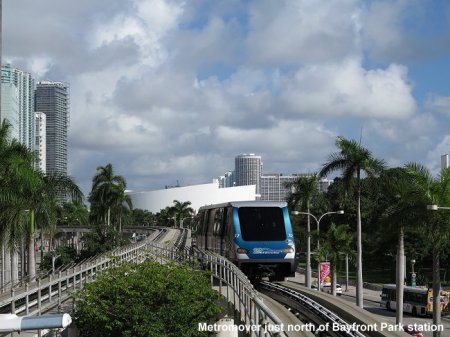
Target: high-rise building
{"type": "Point", "coordinates": [247, 170]}
{"type": "Point", "coordinates": [10, 108]}
{"type": "Point", "coordinates": [19, 86]}
{"type": "Point", "coordinates": [271, 187]}
{"type": "Point", "coordinates": [227, 180]}
{"type": "Point", "coordinates": [52, 99]}
{"type": "Point", "coordinates": [41, 141]}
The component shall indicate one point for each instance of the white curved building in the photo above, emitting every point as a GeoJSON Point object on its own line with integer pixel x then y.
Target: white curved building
{"type": "Point", "coordinates": [198, 195]}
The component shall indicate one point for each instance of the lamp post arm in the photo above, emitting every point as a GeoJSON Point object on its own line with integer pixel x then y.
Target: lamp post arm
{"type": "Point", "coordinates": [11, 322]}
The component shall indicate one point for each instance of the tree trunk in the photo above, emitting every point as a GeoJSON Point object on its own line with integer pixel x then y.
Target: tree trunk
{"type": "Point", "coordinates": [31, 249]}
{"type": "Point", "coordinates": [6, 266]}
{"type": "Point", "coordinates": [31, 257]}
{"type": "Point", "coordinates": [359, 280]}
{"type": "Point", "coordinates": [400, 277]}
{"type": "Point", "coordinates": [334, 276]}
{"type": "Point", "coordinates": [14, 266]}
{"type": "Point", "coordinates": [436, 291]}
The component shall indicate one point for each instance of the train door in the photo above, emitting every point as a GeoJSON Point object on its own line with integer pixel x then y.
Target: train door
{"type": "Point", "coordinates": [210, 229]}
{"type": "Point", "coordinates": [222, 231]}
{"type": "Point", "coordinates": [229, 235]}
{"type": "Point", "coordinates": [201, 230]}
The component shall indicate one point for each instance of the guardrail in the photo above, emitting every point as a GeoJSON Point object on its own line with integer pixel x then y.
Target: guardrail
{"type": "Point", "coordinates": [40, 296]}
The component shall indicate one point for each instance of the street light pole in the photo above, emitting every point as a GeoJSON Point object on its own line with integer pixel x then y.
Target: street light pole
{"type": "Point", "coordinates": [436, 281]}
{"type": "Point", "coordinates": [308, 253]}
{"type": "Point", "coordinates": [182, 220]}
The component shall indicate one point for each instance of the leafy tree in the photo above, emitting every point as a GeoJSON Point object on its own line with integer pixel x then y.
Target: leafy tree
{"type": "Point", "coordinates": [102, 238]}
{"type": "Point", "coordinates": [146, 299]}
{"type": "Point", "coordinates": [336, 243]}
{"type": "Point", "coordinates": [73, 214]}
{"type": "Point", "coordinates": [140, 217]}
{"type": "Point", "coordinates": [302, 190]}
{"type": "Point", "coordinates": [65, 255]}
{"type": "Point", "coordinates": [353, 159]}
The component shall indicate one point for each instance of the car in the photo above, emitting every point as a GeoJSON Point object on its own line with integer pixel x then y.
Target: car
{"type": "Point", "coordinates": [329, 290]}
{"type": "Point", "coordinates": [410, 329]}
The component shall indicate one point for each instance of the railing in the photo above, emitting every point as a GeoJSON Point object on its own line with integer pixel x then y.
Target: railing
{"type": "Point", "coordinates": [43, 294]}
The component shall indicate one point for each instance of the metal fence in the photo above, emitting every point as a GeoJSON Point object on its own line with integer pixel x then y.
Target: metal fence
{"type": "Point", "coordinates": [43, 294]}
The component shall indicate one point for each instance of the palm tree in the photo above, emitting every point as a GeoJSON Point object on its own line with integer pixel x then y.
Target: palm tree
{"type": "Point", "coordinates": [338, 242]}
{"type": "Point", "coordinates": [302, 190]}
{"type": "Point", "coordinates": [435, 191]}
{"type": "Point", "coordinates": [405, 208]}
{"type": "Point", "coordinates": [352, 160]}
{"type": "Point", "coordinates": [42, 201]}
{"type": "Point", "coordinates": [107, 192]}
{"type": "Point", "coordinates": [16, 163]}
{"type": "Point", "coordinates": [181, 210]}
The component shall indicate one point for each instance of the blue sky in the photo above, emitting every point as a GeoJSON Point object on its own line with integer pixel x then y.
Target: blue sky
{"type": "Point", "coordinates": [169, 90]}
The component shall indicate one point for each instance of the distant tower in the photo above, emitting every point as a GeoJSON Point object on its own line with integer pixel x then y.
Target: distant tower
{"type": "Point", "coordinates": [248, 169]}
{"type": "Point", "coordinates": [444, 161]}
{"type": "Point", "coordinates": [52, 99]}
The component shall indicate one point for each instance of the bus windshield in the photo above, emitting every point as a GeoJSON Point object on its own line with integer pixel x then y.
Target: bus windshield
{"type": "Point", "coordinates": [262, 223]}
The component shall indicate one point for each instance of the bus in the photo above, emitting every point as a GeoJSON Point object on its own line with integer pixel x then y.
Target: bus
{"type": "Point", "coordinates": [416, 300]}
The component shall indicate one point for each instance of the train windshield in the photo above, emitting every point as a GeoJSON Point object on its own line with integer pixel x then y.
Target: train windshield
{"type": "Point", "coordinates": [262, 223]}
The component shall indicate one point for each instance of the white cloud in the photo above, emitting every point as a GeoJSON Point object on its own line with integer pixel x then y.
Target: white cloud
{"type": "Point", "coordinates": [303, 31]}
{"type": "Point", "coordinates": [438, 103]}
{"type": "Point", "coordinates": [347, 89]}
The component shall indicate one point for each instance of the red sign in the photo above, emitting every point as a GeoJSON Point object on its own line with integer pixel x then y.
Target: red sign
{"type": "Point", "coordinates": [325, 274]}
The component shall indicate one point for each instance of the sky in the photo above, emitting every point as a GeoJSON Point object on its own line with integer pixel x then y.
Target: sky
{"type": "Point", "coordinates": [170, 91]}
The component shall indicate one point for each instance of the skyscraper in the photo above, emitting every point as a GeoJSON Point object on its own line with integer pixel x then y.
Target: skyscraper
{"type": "Point", "coordinates": [248, 169]}
{"type": "Point", "coordinates": [52, 99]}
{"type": "Point", "coordinates": [19, 86]}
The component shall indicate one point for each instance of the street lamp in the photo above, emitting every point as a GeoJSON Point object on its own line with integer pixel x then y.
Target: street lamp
{"type": "Point", "coordinates": [308, 246]}
{"type": "Point", "coordinates": [435, 207]}
{"type": "Point", "coordinates": [12, 322]}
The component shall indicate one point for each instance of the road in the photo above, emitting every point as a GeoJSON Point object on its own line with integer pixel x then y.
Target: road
{"type": "Point", "coordinates": [371, 304]}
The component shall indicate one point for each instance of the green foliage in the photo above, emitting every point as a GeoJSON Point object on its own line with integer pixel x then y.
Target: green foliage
{"type": "Point", "coordinates": [146, 299]}
{"type": "Point", "coordinates": [101, 239]}
{"type": "Point", "coordinates": [66, 255]}
{"type": "Point", "coordinates": [140, 217]}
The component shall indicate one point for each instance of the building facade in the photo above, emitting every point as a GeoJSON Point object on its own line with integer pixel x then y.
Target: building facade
{"type": "Point", "coordinates": [270, 187]}
{"type": "Point", "coordinates": [248, 170]}
{"type": "Point", "coordinates": [198, 195]}
{"type": "Point", "coordinates": [10, 108]}
{"type": "Point", "coordinates": [18, 88]}
{"type": "Point", "coordinates": [53, 99]}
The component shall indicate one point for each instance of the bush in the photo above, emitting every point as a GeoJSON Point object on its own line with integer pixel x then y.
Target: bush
{"type": "Point", "coordinates": [146, 299]}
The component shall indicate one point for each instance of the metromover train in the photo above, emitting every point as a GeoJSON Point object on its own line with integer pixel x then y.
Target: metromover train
{"type": "Point", "coordinates": [257, 236]}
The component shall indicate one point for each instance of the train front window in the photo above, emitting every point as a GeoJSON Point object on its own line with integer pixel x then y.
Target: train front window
{"type": "Point", "coordinates": [262, 223]}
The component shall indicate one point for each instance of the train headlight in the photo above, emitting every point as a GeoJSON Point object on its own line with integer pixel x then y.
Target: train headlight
{"type": "Point", "coordinates": [288, 250]}
{"type": "Point", "coordinates": [242, 251]}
